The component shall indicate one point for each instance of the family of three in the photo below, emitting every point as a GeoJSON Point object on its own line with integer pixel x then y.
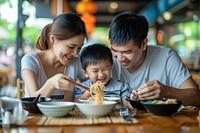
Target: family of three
{"type": "Point", "coordinates": [137, 70]}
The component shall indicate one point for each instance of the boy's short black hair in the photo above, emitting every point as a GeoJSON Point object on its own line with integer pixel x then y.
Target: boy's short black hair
{"type": "Point", "coordinates": [95, 53]}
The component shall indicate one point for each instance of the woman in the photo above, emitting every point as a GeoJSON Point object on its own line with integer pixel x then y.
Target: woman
{"type": "Point", "coordinates": [44, 72]}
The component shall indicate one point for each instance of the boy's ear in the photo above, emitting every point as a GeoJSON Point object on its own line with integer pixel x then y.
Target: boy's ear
{"type": "Point", "coordinates": [84, 73]}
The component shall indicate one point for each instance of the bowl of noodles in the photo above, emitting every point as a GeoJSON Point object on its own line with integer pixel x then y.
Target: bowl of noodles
{"type": "Point", "coordinates": [162, 107]}
{"type": "Point", "coordinates": [99, 106]}
{"type": "Point", "coordinates": [95, 110]}
{"type": "Point", "coordinates": [84, 100]}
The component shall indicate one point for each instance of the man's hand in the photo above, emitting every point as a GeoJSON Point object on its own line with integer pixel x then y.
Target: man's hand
{"type": "Point", "coordinates": [151, 90]}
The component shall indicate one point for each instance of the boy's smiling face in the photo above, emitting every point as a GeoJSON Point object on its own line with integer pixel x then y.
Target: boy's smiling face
{"type": "Point", "coordinates": [99, 72]}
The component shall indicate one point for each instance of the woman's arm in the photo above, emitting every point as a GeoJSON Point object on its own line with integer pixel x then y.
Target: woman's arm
{"type": "Point", "coordinates": [30, 81]}
{"type": "Point", "coordinates": [57, 81]}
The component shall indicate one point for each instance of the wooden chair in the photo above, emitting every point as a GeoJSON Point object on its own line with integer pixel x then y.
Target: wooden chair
{"type": "Point", "coordinates": [20, 88]}
{"type": "Point", "coordinates": [196, 77]}
{"type": "Point", "coordinates": [3, 79]}
{"type": "Point", "coordinates": [4, 76]}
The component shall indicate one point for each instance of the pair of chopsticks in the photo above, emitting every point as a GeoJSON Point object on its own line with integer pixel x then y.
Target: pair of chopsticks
{"type": "Point", "coordinates": [77, 84]}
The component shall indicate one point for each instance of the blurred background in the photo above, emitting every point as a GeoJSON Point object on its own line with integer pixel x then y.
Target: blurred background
{"type": "Point", "coordinates": [173, 23]}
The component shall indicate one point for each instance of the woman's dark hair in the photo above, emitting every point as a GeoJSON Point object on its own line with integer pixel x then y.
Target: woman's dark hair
{"type": "Point", "coordinates": [64, 26]}
{"type": "Point", "coordinates": [95, 53]}
{"type": "Point", "coordinates": [127, 26]}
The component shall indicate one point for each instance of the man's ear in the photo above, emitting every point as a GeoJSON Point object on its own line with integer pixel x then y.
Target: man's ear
{"type": "Point", "coordinates": [144, 44]}
{"type": "Point", "coordinates": [84, 73]}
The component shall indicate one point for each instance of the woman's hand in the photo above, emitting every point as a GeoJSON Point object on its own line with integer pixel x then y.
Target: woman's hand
{"type": "Point", "coordinates": [59, 82]}
{"type": "Point", "coordinates": [151, 90]}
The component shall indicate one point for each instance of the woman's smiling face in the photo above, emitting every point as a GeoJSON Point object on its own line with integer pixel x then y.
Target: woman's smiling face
{"type": "Point", "coordinates": [65, 50]}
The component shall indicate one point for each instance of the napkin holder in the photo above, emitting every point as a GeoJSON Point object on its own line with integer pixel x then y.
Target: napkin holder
{"type": "Point", "coordinates": [11, 110]}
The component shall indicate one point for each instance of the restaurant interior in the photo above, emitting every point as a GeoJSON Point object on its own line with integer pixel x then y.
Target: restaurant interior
{"type": "Point", "coordinates": [172, 23]}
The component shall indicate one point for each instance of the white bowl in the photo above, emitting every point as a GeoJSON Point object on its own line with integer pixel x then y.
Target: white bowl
{"type": "Point", "coordinates": [86, 100]}
{"type": "Point", "coordinates": [55, 109]}
{"type": "Point", "coordinates": [96, 110]}
{"type": "Point", "coordinates": [116, 99]}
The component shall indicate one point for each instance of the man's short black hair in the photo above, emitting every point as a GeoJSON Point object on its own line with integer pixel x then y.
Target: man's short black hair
{"type": "Point", "coordinates": [127, 26]}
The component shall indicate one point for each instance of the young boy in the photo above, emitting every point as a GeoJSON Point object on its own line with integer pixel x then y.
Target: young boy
{"type": "Point", "coordinates": [97, 61]}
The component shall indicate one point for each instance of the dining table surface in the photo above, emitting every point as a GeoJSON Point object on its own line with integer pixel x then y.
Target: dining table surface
{"type": "Point", "coordinates": [183, 121]}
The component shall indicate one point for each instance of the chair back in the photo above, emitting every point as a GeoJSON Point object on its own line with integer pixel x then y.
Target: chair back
{"type": "Point", "coordinates": [20, 88]}
{"type": "Point", "coordinates": [3, 78]}
{"type": "Point", "coordinates": [196, 78]}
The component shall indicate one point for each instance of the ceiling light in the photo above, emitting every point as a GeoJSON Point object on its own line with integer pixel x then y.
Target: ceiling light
{"type": "Point", "coordinates": [195, 17]}
{"type": "Point", "coordinates": [167, 15]}
{"type": "Point", "coordinates": [114, 5]}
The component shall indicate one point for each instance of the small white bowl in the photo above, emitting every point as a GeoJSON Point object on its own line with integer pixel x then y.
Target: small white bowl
{"type": "Point", "coordinates": [96, 110]}
{"type": "Point", "coordinates": [55, 109]}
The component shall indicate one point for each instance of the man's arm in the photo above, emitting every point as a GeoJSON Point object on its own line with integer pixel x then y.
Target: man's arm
{"type": "Point", "coordinates": [188, 92]}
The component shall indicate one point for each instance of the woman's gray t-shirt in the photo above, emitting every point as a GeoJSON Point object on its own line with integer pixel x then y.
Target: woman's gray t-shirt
{"type": "Point", "coordinates": [32, 62]}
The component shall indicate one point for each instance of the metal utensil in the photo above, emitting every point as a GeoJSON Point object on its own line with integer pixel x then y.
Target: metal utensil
{"type": "Point", "coordinates": [38, 98]}
{"type": "Point", "coordinates": [127, 113]}
{"type": "Point", "coordinates": [137, 95]}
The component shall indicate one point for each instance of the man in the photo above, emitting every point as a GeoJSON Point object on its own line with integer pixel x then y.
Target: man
{"type": "Point", "coordinates": [151, 71]}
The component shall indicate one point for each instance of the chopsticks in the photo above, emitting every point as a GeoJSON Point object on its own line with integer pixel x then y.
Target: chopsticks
{"type": "Point", "coordinates": [77, 84]}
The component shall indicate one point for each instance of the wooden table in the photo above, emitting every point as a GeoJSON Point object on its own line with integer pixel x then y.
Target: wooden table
{"type": "Point", "coordinates": [104, 129]}
{"type": "Point", "coordinates": [180, 122]}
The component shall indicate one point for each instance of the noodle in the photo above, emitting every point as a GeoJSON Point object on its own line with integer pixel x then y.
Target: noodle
{"type": "Point", "coordinates": [97, 88]}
